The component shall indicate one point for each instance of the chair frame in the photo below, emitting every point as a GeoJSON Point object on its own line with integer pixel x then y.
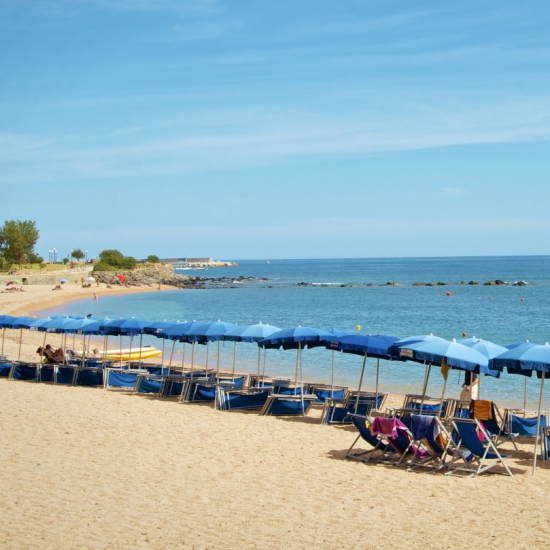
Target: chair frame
{"type": "Point", "coordinates": [473, 458]}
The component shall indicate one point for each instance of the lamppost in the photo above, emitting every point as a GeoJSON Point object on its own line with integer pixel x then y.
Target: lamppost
{"type": "Point", "coordinates": [50, 256]}
{"type": "Point", "coordinates": [54, 255]}
{"type": "Point", "coordinates": [71, 256]}
{"type": "Point", "coordinates": [86, 252]}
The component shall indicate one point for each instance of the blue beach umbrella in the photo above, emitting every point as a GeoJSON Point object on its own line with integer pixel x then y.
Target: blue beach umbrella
{"type": "Point", "coordinates": [86, 326]}
{"type": "Point", "coordinates": [156, 328]}
{"type": "Point", "coordinates": [5, 322]}
{"type": "Point", "coordinates": [447, 353]}
{"type": "Point", "coordinates": [251, 333]}
{"type": "Point", "coordinates": [396, 349]}
{"type": "Point", "coordinates": [178, 333]}
{"type": "Point", "coordinates": [367, 345]}
{"type": "Point", "coordinates": [523, 359]}
{"type": "Point", "coordinates": [125, 327]}
{"type": "Point", "coordinates": [212, 332]}
{"type": "Point", "coordinates": [19, 323]}
{"type": "Point", "coordinates": [297, 338]}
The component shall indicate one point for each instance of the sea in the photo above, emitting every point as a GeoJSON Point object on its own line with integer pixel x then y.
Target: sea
{"type": "Point", "coordinates": [366, 296]}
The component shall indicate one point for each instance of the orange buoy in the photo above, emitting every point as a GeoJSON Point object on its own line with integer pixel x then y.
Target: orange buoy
{"type": "Point", "coordinates": [521, 300]}
{"type": "Point", "coordinates": [490, 297]}
{"type": "Point", "coordinates": [464, 334]}
{"type": "Point", "coordinates": [448, 293]}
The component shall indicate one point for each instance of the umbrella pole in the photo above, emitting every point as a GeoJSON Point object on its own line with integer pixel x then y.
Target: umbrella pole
{"type": "Point", "coordinates": [234, 357]}
{"type": "Point", "coordinates": [425, 388]}
{"type": "Point", "coordinates": [140, 346]}
{"type": "Point", "coordinates": [3, 335]}
{"type": "Point", "coordinates": [259, 360]}
{"type": "Point", "coordinates": [130, 354]}
{"type": "Point", "coordinates": [377, 377]}
{"type": "Point", "coordinates": [263, 370]}
{"type": "Point", "coordinates": [538, 424]}
{"type": "Point", "coordinates": [525, 394]}
{"type": "Point", "coordinates": [296, 369]}
{"type": "Point", "coordinates": [332, 378]}
{"type": "Point", "coordinates": [301, 378]}
{"type": "Point", "coordinates": [20, 341]}
{"type": "Point", "coordinates": [182, 356]}
{"type": "Point", "coordinates": [192, 368]}
{"type": "Point", "coordinates": [218, 362]}
{"type": "Point", "coordinates": [360, 382]}
{"type": "Point", "coordinates": [171, 357]}
{"type": "Point", "coordinates": [442, 396]}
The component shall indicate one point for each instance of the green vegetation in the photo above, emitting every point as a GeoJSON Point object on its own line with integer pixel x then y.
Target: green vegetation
{"type": "Point", "coordinates": [17, 241]}
{"type": "Point", "coordinates": [113, 260]}
{"type": "Point", "coordinates": [77, 254]}
{"type": "Point", "coordinates": [152, 259]}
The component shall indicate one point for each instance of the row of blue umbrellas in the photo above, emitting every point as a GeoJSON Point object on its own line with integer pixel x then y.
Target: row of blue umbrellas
{"type": "Point", "coordinates": [472, 354]}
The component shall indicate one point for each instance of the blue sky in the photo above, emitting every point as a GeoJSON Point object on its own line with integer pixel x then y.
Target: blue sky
{"type": "Point", "coordinates": [310, 129]}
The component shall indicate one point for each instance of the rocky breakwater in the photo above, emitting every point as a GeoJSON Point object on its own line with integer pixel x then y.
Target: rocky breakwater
{"type": "Point", "coordinates": [161, 274]}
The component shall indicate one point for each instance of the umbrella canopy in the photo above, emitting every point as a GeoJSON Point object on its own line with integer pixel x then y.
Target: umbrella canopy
{"type": "Point", "coordinates": [19, 322]}
{"type": "Point", "coordinates": [124, 327]}
{"type": "Point", "coordinates": [457, 355]}
{"type": "Point", "coordinates": [296, 337]}
{"type": "Point", "coordinates": [63, 280]}
{"type": "Point", "coordinates": [88, 325]}
{"type": "Point", "coordinates": [374, 345]}
{"type": "Point", "coordinates": [524, 358]}
{"type": "Point", "coordinates": [211, 332]}
{"type": "Point", "coordinates": [6, 320]}
{"type": "Point", "coordinates": [396, 348]}
{"type": "Point", "coordinates": [252, 333]}
{"type": "Point", "coordinates": [159, 326]}
{"type": "Point", "coordinates": [121, 278]}
{"type": "Point", "coordinates": [489, 349]}
{"type": "Point", "coordinates": [14, 282]}
{"type": "Point", "coordinates": [178, 331]}
{"type": "Point", "coordinates": [56, 324]}
{"type": "Point", "coordinates": [91, 279]}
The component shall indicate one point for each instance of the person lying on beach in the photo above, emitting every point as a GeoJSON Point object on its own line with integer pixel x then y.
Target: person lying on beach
{"type": "Point", "coordinates": [48, 355]}
{"type": "Point", "coordinates": [57, 287]}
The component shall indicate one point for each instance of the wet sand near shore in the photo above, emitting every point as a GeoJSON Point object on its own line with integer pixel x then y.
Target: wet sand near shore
{"type": "Point", "coordinates": [90, 468]}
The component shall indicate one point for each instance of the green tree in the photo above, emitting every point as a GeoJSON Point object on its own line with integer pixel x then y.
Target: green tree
{"type": "Point", "coordinates": [78, 254]}
{"type": "Point", "coordinates": [17, 240]}
{"type": "Point", "coordinates": [152, 259]}
{"type": "Point", "coordinates": [111, 257]}
{"type": "Point", "coordinates": [129, 262]}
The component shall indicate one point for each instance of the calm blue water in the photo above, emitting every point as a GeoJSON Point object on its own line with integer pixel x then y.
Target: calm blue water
{"type": "Point", "coordinates": [502, 314]}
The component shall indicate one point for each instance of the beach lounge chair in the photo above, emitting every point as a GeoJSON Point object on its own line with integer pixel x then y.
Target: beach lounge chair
{"type": "Point", "coordinates": [5, 368]}
{"type": "Point", "coordinates": [325, 391]}
{"type": "Point", "coordinates": [231, 399]}
{"type": "Point", "coordinates": [395, 433]}
{"type": "Point", "coordinates": [517, 422]}
{"type": "Point", "coordinates": [363, 425]}
{"type": "Point", "coordinates": [430, 435]}
{"type": "Point", "coordinates": [545, 439]}
{"type": "Point", "coordinates": [117, 378]}
{"type": "Point", "coordinates": [24, 371]}
{"type": "Point", "coordinates": [288, 405]}
{"type": "Point", "coordinates": [337, 411]}
{"type": "Point", "coordinates": [490, 416]}
{"type": "Point", "coordinates": [473, 456]}
{"type": "Point", "coordinates": [89, 376]}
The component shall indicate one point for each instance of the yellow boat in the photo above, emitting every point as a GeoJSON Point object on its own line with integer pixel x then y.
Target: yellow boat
{"type": "Point", "coordinates": [133, 354]}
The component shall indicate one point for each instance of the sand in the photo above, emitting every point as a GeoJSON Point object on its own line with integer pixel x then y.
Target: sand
{"type": "Point", "coordinates": [91, 468]}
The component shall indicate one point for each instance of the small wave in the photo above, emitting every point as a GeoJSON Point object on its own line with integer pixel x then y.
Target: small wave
{"type": "Point", "coordinates": [327, 284]}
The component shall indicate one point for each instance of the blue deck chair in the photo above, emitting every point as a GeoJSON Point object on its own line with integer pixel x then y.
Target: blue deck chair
{"type": "Point", "coordinates": [525, 426]}
{"type": "Point", "coordinates": [120, 378]}
{"type": "Point", "coordinates": [395, 433]}
{"type": "Point", "coordinates": [474, 456]}
{"type": "Point", "coordinates": [149, 383]}
{"type": "Point", "coordinates": [494, 425]}
{"type": "Point", "coordinates": [363, 425]}
{"type": "Point", "coordinates": [89, 376]}
{"type": "Point", "coordinates": [288, 405]}
{"type": "Point", "coordinates": [25, 371]}
{"type": "Point", "coordinates": [64, 374]}
{"type": "Point", "coordinates": [430, 435]}
{"type": "Point", "coordinates": [5, 368]}
{"type": "Point", "coordinates": [324, 392]}
{"type": "Point", "coordinates": [545, 439]}
{"type": "Point", "coordinates": [231, 399]}
{"type": "Point", "coordinates": [337, 411]}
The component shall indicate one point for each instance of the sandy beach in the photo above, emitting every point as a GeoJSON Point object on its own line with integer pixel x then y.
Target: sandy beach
{"type": "Point", "coordinates": [90, 468]}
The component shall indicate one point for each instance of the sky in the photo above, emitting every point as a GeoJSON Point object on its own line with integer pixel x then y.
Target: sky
{"type": "Point", "coordinates": [261, 130]}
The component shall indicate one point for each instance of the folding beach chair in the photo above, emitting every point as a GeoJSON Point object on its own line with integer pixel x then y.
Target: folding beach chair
{"type": "Point", "coordinates": [231, 399]}
{"type": "Point", "coordinates": [489, 415]}
{"type": "Point", "coordinates": [430, 435]}
{"type": "Point", "coordinates": [474, 456]}
{"type": "Point", "coordinates": [545, 438]}
{"type": "Point", "coordinates": [363, 425]}
{"type": "Point", "coordinates": [5, 368]}
{"type": "Point", "coordinates": [525, 426]}
{"type": "Point", "coordinates": [24, 371]}
{"type": "Point", "coordinates": [326, 391]}
{"type": "Point", "coordinates": [337, 411]}
{"type": "Point", "coordinates": [288, 405]}
{"type": "Point", "coordinates": [395, 433]}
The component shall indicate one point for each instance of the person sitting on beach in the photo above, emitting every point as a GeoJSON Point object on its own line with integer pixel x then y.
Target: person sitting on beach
{"type": "Point", "coordinates": [47, 354]}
